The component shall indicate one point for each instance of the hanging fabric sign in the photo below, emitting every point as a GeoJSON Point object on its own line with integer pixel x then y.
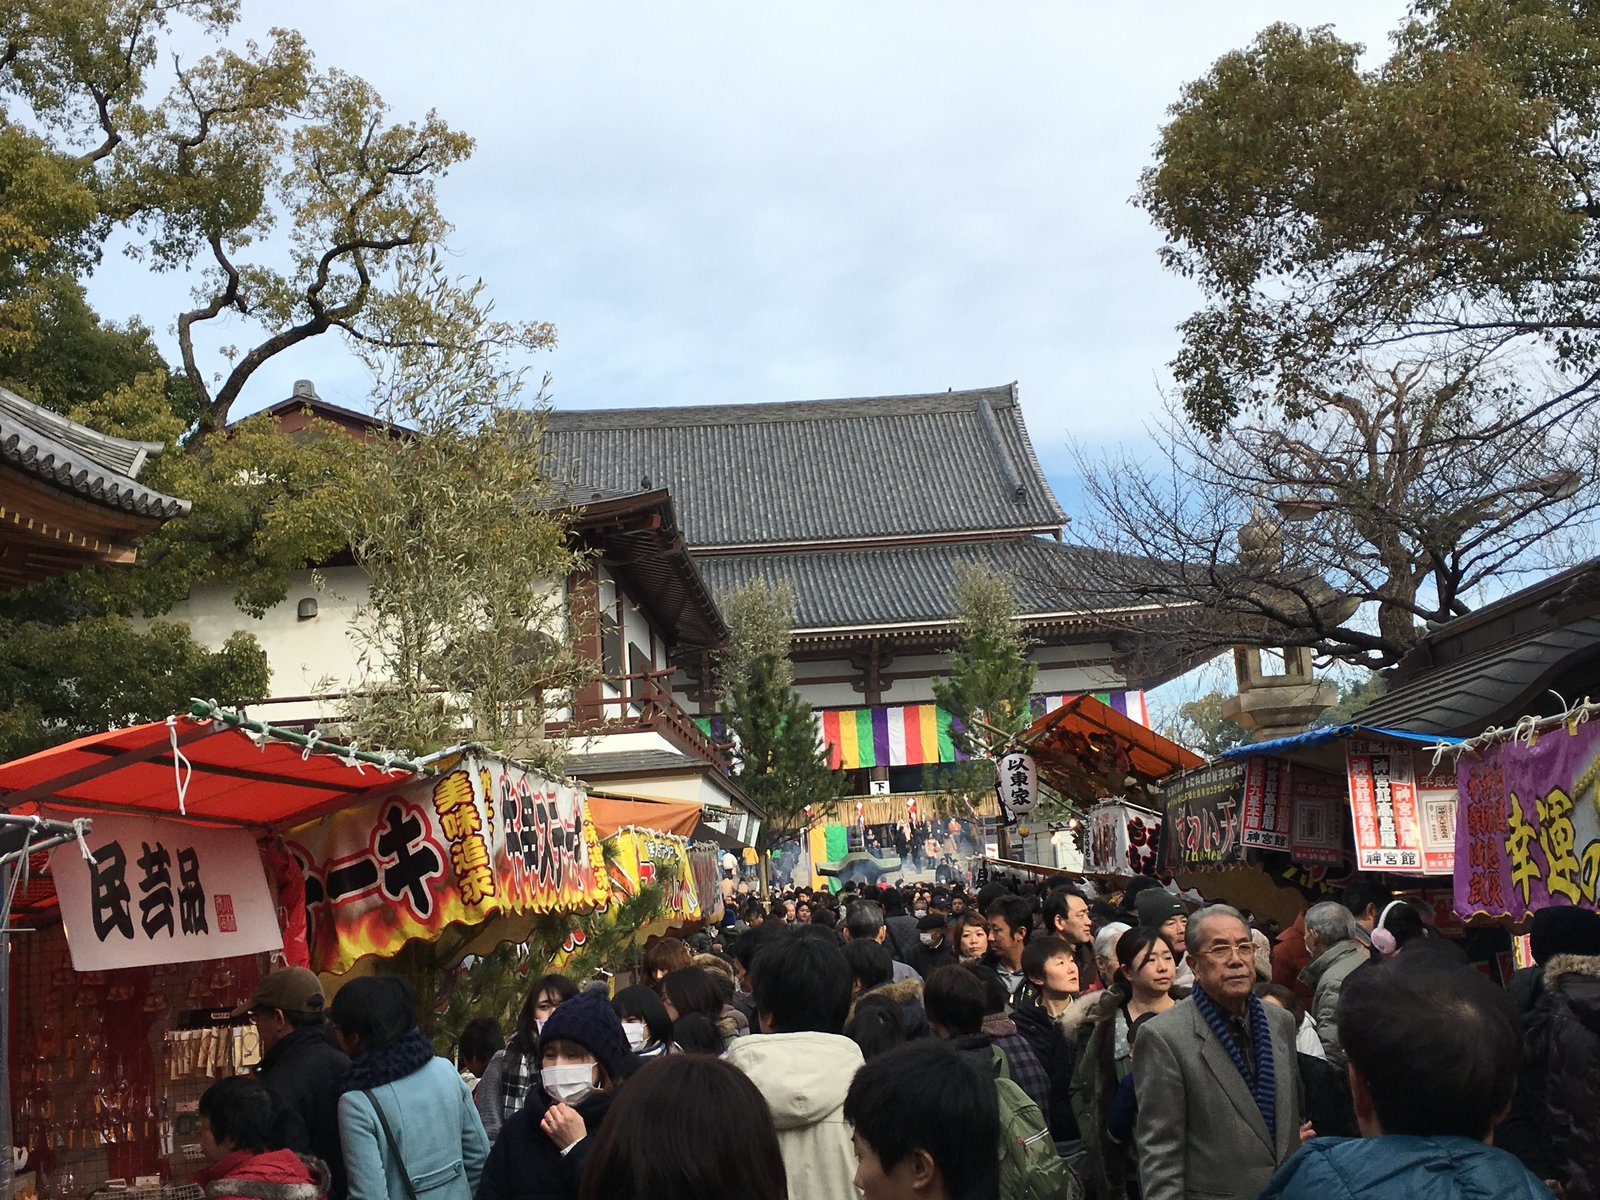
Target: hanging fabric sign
{"type": "Point", "coordinates": [1268, 811]}
{"type": "Point", "coordinates": [1202, 827]}
{"type": "Point", "coordinates": [163, 891]}
{"type": "Point", "coordinates": [1318, 808]}
{"type": "Point", "coordinates": [705, 864]}
{"type": "Point", "coordinates": [1399, 826]}
{"type": "Point", "coordinates": [486, 837]}
{"type": "Point", "coordinates": [1528, 835]}
{"type": "Point", "coordinates": [1017, 780]}
{"type": "Point", "coordinates": [1123, 840]}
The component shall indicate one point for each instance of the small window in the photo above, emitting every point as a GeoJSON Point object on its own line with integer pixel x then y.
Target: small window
{"type": "Point", "coordinates": [610, 646]}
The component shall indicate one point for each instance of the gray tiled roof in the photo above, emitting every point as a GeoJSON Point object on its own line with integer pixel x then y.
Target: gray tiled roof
{"type": "Point", "coordinates": [630, 762]}
{"type": "Point", "coordinates": [820, 470]}
{"type": "Point", "coordinates": [903, 585]}
{"type": "Point", "coordinates": [95, 466]}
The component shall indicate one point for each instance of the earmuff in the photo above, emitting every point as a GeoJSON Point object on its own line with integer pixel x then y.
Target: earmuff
{"type": "Point", "coordinates": [1382, 940]}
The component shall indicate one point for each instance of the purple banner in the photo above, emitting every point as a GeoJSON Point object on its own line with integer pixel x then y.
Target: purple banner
{"type": "Point", "coordinates": [1528, 826]}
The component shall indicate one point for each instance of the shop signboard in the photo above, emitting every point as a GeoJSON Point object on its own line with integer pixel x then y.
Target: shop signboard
{"type": "Point", "coordinates": [1319, 802]}
{"type": "Point", "coordinates": [1399, 826]}
{"type": "Point", "coordinates": [1268, 810]}
{"type": "Point", "coordinates": [1123, 840]}
{"type": "Point", "coordinates": [1528, 830]}
{"type": "Point", "coordinates": [486, 837]}
{"type": "Point", "coordinates": [163, 891]}
{"type": "Point", "coordinates": [1204, 813]}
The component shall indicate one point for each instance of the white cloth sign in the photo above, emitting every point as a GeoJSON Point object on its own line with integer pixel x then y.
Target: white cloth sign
{"type": "Point", "coordinates": [163, 891]}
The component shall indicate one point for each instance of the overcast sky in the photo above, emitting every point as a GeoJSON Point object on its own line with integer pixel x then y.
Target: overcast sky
{"type": "Point", "coordinates": [719, 202]}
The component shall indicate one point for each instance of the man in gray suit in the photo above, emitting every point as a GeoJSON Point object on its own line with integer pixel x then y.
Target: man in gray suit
{"type": "Point", "coordinates": [1215, 1076]}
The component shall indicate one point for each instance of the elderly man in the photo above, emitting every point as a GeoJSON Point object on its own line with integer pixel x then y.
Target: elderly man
{"type": "Point", "coordinates": [863, 922]}
{"type": "Point", "coordinates": [1334, 942]}
{"type": "Point", "coordinates": [1215, 1076]}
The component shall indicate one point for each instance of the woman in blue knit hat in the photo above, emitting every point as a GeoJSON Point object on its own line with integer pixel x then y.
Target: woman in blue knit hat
{"type": "Point", "coordinates": [583, 1057]}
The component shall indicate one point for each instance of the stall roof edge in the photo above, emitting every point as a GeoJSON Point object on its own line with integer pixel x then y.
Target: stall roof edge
{"type": "Point", "coordinates": [1331, 733]}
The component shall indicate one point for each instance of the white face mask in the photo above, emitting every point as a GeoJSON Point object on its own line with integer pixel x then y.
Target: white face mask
{"type": "Point", "coordinates": [637, 1034]}
{"type": "Point", "coordinates": [919, 912]}
{"type": "Point", "coordinates": [569, 1084]}
{"type": "Point", "coordinates": [928, 938]}
{"type": "Point", "coordinates": [538, 1025]}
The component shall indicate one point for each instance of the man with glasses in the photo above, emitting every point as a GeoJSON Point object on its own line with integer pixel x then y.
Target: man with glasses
{"type": "Point", "coordinates": [1215, 1076]}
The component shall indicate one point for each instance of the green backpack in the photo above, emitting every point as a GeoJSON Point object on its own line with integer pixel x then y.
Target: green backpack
{"type": "Point", "coordinates": [1030, 1168]}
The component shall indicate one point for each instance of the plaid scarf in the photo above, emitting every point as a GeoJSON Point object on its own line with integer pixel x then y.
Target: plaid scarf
{"type": "Point", "coordinates": [1264, 1086]}
{"type": "Point", "coordinates": [517, 1074]}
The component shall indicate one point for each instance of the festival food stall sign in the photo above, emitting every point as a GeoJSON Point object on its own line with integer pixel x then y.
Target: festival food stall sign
{"type": "Point", "coordinates": [1402, 808]}
{"type": "Point", "coordinates": [1268, 812]}
{"type": "Point", "coordinates": [1202, 829]}
{"type": "Point", "coordinates": [1123, 840]}
{"type": "Point", "coordinates": [1528, 833]}
{"type": "Point", "coordinates": [161, 891]}
{"type": "Point", "coordinates": [486, 837]}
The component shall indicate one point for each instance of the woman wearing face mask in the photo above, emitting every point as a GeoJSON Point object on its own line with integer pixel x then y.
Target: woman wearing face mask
{"type": "Point", "coordinates": [645, 1022]}
{"type": "Point", "coordinates": [583, 1053]}
{"type": "Point", "coordinates": [515, 1070]}
{"type": "Point", "coordinates": [406, 1120]}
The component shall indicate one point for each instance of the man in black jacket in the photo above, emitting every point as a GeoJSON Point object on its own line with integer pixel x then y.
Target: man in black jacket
{"type": "Point", "coordinates": [300, 1065]}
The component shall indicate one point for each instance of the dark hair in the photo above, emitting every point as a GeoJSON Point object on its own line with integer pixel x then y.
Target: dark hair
{"type": "Point", "coordinates": [662, 956]}
{"type": "Point", "coordinates": [241, 1110]}
{"type": "Point", "coordinates": [751, 942]}
{"type": "Point", "coordinates": [1438, 1045]}
{"type": "Point", "coordinates": [1364, 891]}
{"type": "Point", "coordinates": [876, 1025]}
{"type": "Point", "coordinates": [1056, 905]}
{"type": "Point", "coordinates": [692, 990]}
{"type": "Point", "coordinates": [929, 1097]}
{"type": "Point", "coordinates": [1036, 953]}
{"type": "Point", "coordinates": [654, 1144]}
{"type": "Point", "coordinates": [378, 1009]}
{"type": "Point", "coordinates": [953, 997]}
{"type": "Point", "coordinates": [697, 1033]}
{"type": "Point", "coordinates": [639, 1003]}
{"type": "Point", "coordinates": [863, 919]}
{"type": "Point", "coordinates": [480, 1037]}
{"type": "Point", "coordinates": [780, 910]}
{"type": "Point", "coordinates": [1018, 913]}
{"type": "Point", "coordinates": [1406, 924]}
{"type": "Point", "coordinates": [870, 963]}
{"type": "Point", "coordinates": [526, 1039]}
{"type": "Point", "coordinates": [803, 984]}
{"type": "Point", "coordinates": [1133, 945]}
{"type": "Point", "coordinates": [1285, 998]}
{"type": "Point", "coordinates": [822, 915]}
{"type": "Point", "coordinates": [995, 994]}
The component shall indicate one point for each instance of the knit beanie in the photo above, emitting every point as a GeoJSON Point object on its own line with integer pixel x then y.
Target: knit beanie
{"type": "Point", "coordinates": [589, 1020]}
{"type": "Point", "coordinates": [1157, 906]}
{"type": "Point", "coordinates": [1563, 930]}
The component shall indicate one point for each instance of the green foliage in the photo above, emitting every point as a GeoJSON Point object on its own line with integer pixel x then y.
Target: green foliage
{"type": "Point", "coordinates": [1355, 693]}
{"type": "Point", "coordinates": [1440, 203]}
{"type": "Point", "coordinates": [777, 761]}
{"type": "Point", "coordinates": [1201, 726]}
{"type": "Point", "coordinates": [990, 678]}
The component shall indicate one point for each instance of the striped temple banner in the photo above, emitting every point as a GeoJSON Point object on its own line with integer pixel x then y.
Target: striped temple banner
{"type": "Point", "coordinates": [910, 735]}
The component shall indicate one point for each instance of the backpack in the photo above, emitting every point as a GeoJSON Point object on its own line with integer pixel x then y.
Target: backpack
{"type": "Point", "coordinates": [1030, 1168]}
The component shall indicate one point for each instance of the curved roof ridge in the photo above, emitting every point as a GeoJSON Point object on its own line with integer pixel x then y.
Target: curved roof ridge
{"type": "Point", "coordinates": [122, 455]}
{"type": "Point", "coordinates": [688, 416]}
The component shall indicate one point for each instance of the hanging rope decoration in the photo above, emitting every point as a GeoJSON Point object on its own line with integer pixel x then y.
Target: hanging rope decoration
{"type": "Point", "coordinates": [1526, 730]}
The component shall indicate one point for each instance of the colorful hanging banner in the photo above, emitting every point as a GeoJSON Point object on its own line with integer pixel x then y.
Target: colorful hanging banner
{"type": "Point", "coordinates": [1204, 810]}
{"type": "Point", "coordinates": [902, 736]}
{"type": "Point", "coordinates": [1402, 824]}
{"type": "Point", "coordinates": [1130, 704]}
{"type": "Point", "coordinates": [1528, 833]}
{"type": "Point", "coordinates": [487, 837]}
{"type": "Point", "coordinates": [1267, 821]}
{"type": "Point", "coordinates": [635, 857]}
{"type": "Point", "coordinates": [1123, 840]}
{"type": "Point", "coordinates": [162, 891]}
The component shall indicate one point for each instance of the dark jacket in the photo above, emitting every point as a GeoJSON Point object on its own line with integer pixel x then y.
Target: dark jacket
{"type": "Point", "coordinates": [526, 1165]}
{"type": "Point", "coordinates": [1057, 1055]}
{"type": "Point", "coordinates": [926, 959]}
{"type": "Point", "coordinates": [1402, 1168]}
{"type": "Point", "coordinates": [1525, 1131]}
{"type": "Point", "coordinates": [1572, 1098]}
{"type": "Point", "coordinates": [306, 1071]}
{"type": "Point", "coordinates": [901, 938]}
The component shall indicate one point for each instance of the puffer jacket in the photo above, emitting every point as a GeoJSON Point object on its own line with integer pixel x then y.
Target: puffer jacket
{"type": "Point", "coordinates": [271, 1175]}
{"type": "Point", "coordinates": [1525, 1131]}
{"type": "Point", "coordinates": [1572, 1097]}
{"type": "Point", "coordinates": [1403, 1168]}
{"type": "Point", "coordinates": [1325, 976]}
{"type": "Point", "coordinates": [907, 993]}
{"type": "Point", "coordinates": [804, 1078]}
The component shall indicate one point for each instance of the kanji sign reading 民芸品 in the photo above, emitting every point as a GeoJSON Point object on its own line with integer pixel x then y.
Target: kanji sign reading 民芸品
{"type": "Point", "coordinates": [163, 891]}
{"type": "Point", "coordinates": [1268, 812]}
{"type": "Point", "coordinates": [1017, 781]}
{"type": "Point", "coordinates": [1399, 825]}
{"type": "Point", "coordinates": [1528, 826]}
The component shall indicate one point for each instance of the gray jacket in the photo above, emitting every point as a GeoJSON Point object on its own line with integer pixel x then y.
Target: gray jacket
{"type": "Point", "coordinates": [1325, 976]}
{"type": "Point", "coordinates": [1200, 1135]}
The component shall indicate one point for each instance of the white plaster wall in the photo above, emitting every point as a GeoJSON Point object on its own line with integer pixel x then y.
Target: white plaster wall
{"type": "Point", "coordinates": [926, 668]}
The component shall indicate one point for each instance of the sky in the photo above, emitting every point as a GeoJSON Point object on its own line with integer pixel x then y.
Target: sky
{"type": "Point", "coordinates": [733, 202]}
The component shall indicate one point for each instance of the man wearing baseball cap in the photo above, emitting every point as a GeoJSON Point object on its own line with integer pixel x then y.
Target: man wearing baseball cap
{"type": "Point", "coordinates": [300, 1064]}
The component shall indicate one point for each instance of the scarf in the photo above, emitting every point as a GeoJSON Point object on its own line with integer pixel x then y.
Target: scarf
{"type": "Point", "coordinates": [1264, 1086]}
{"type": "Point", "coordinates": [517, 1072]}
{"type": "Point", "coordinates": [408, 1053]}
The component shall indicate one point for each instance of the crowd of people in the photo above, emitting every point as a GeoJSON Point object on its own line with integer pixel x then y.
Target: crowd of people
{"type": "Point", "coordinates": [931, 1043]}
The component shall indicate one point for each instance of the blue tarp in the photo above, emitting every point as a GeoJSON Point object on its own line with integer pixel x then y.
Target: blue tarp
{"type": "Point", "coordinates": [1280, 747]}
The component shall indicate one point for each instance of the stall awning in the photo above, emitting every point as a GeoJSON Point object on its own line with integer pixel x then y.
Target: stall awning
{"type": "Point", "coordinates": [611, 811]}
{"type": "Point", "coordinates": [1059, 737]}
{"type": "Point", "coordinates": [1285, 746]}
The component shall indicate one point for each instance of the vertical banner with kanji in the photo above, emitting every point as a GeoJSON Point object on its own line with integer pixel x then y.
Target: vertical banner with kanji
{"type": "Point", "coordinates": [1268, 810]}
{"type": "Point", "coordinates": [485, 837]}
{"type": "Point", "coordinates": [163, 891]}
{"type": "Point", "coordinates": [1399, 826]}
{"type": "Point", "coordinates": [1528, 824]}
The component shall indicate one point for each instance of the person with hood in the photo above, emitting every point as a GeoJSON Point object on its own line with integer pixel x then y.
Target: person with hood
{"type": "Point", "coordinates": [1336, 950]}
{"type": "Point", "coordinates": [406, 1119]}
{"type": "Point", "coordinates": [803, 1063]}
{"type": "Point", "coordinates": [1433, 1050]}
{"type": "Point", "coordinates": [541, 1151]}
{"type": "Point", "coordinates": [240, 1122]}
{"type": "Point", "coordinates": [1572, 1092]}
{"type": "Point", "coordinates": [871, 975]}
